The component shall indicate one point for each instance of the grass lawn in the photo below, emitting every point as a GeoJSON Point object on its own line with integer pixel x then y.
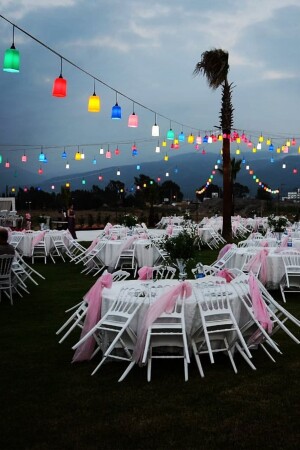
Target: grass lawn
{"type": "Point", "coordinates": [48, 403]}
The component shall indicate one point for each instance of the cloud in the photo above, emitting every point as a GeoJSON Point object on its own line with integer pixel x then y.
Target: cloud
{"type": "Point", "coordinates": [17, 9]}
{"type": "Point", "coordinates": [278, 75]}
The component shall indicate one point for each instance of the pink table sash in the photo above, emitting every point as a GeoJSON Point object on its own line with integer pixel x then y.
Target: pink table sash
{"type": "Point", "coordinates": [94, 300]}
{"type": "Point", "coordinates": [259, 307]}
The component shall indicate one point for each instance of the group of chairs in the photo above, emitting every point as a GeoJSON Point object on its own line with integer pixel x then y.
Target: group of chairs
{"type": "Point", "coordinates": [217, 329]}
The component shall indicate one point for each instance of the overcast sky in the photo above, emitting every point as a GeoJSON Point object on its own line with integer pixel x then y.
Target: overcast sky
{"type": "Point", "coordinates": [146, 51]}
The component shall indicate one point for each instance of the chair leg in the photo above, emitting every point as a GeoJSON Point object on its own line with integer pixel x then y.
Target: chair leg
{"type": "Point", "coordinates": [197, 358]}
{"type": "Point", "coordinates": [126, 372]}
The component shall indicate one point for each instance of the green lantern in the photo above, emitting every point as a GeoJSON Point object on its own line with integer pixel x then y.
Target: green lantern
{"type": "Point", "coordinates": [12, 58]}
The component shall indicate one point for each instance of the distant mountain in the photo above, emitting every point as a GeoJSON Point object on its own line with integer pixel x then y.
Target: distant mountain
{"type": "Point", "coordinates": [190, 171]}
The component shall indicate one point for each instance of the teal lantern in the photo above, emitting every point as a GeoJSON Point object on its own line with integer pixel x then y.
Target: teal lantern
{"type": "Point", "coordinates": [12, 58]}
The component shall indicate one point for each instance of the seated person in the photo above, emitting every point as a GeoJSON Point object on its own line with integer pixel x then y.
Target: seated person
{"type": "Point", "coordinates": [5, 247]}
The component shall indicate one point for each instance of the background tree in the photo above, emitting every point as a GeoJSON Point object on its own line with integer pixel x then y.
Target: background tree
{"type": "Point", "coordinates": [214, 66]}
{"type": "Point", "coordinates": [170, 190]}
{"type": "Point", "coordinates": [207, 193]}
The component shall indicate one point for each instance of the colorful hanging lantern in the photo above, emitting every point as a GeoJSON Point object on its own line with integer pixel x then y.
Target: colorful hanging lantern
{"type": "Point", "coordinates": [53, 187]}
{"type": "Point", "coordinates": [82, 155]}
{"type": "Point", "coordinates": [94, 102]}
{"type": "Point", "coordinates": [116, 112]}
{"type": "Point", "coordinates": [271, 147]}
{"type": "Point", "coordinates": [164, 143]}
{"type": "Point", "coordinates": [167, 174]}
{"type": "Point", "coordinates": [138, 167]}
{"type": "Point", "coordinates": [181, 137]}
{"type": "Point", "coordinates": [157, 148]}
{"type": "Point", "coordinates": [83, 181]}
{"type": "Point", "coordinates": [0, 159]}
{"type": "Point", "coordinates": [24, 158]}
{"type": "Point", "coordinates": [133, 120]}
{"type": "Point", "coordinates": [117, 151]}
{"type": "Point", "coordinates": [60, 85]}
{"type": "Point", "coordinates": [118, 172]}
{"type": "Point", "coordinates": [166, 157]}
{"type": "Point", "coordinates": [268, 142]}
{"type": "Point", "coordinates": [64, 154]}
{"type": "Point", "coordinates": [170, 135]}
{"type": "Point", "coordinates": [295, 171]}
{"type": "Point", "coordinates": [261, 138]}
{"type": "Point", "coordinates": [40, 171]}
{"type": "Point", "coordinates": [7, 165]}
{"type": "Point", "coordinates": [41, 156]}
{"type": "Point", "coordinates": [100, 178]}
{"type": "Point", "coordinates": [67, 165]}
{"type": "Point", "coordinates": [67, 185]}
{"type": "Point", "coordinates": [155, 128]}
{"type": "Point", "coordinates": [94, 161]}
{"type": "Point", "coordinates": [108, 154]}
{"type": "Point", "coordinates": [191, 139]}
{"type": "Point", "coordinates": [12, 58]}
{"type": "Point", "coordinates": [199, 140]}
{"type": "Point", "coordinates": [258, 146]}
{"type": "Point", "coordinates": [78, 156]}
{"type": "Point", "coordinates": [101, 151]}
{"type": "Point", "coordinates": [293, 141]}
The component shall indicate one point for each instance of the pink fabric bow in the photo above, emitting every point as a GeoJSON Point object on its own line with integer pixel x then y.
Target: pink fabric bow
{"type": "Point", "coordinates": [264, 243]}
{"type": "Point", "coordinates": [38, 238]}
{"type": "Point", "coordinates": [224, 250]}
{"type": "Point", "coordinates": [259, 307]}
{"type": "Point", "coordinates": [94, 299]}
{"type": "Point", "coordinates": [225, 273]}
{"type": "Point", "coordinates": [145, 273]}
{"type": "Point", "coordinates": [259, 258]}
{"type": "Point", "coordinates": [164, 303]}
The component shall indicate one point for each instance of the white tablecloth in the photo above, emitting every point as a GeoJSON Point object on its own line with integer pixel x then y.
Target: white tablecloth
{"type": "Point", "coordinates": [25, 245]}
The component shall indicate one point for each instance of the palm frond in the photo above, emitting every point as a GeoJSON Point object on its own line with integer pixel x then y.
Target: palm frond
{"type": "Point", "coordinates": [214, 66]}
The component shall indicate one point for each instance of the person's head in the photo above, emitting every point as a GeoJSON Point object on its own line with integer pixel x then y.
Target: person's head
{"type": "Point", "coordinates": [3, 235]}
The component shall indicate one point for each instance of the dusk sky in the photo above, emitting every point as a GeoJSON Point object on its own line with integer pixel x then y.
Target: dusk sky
{"type": "Point", "coordinates": [147, 52]}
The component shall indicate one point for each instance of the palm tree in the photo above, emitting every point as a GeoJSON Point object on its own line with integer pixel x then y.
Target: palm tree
{"type": "Point", "coordinates": [214, 66]}
{"type": "Point", "coordinates": [235, 168]}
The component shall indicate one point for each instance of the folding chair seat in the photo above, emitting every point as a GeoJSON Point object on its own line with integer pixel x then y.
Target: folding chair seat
{"type": "Point", "coordinates": [6, 285]}
{"type": "Point", "coordinates": [114, 328]}
{"type": "Point", "coordinates": [218, 330]}
{"type": "Point", "coordinates": [290, 282]}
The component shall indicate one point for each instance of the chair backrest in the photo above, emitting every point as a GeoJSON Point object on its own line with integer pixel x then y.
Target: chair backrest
{"type": "Point", "coordinates": [212, 297]}
{"type": "Point", "coordinates": [5, 265]}
{"type": "Point", "coordinates": [163, 272]}
{"type": "Point", "coordinates": [126, 304]}
{"type": "Point", "coordinates": [120, 275]}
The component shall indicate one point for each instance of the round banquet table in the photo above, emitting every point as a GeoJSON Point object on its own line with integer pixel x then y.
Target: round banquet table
{"type": "Point", "coordinates": [192, 315]}
{"type": "Point", "coordinates": [25, 246]}
{"type": "Point", "coordinates": [145, 252]}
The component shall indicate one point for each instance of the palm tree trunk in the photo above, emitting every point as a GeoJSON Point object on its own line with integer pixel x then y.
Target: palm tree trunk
{"type": "Point", "coordinates": [227, 191]}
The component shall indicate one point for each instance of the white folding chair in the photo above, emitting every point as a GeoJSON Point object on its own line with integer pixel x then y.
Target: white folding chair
{"type": "Point", "coordinates": [168, 330]}
{"type": "Point", "coordinates": [57, 246]}
{"type": "Point", "coordinates": [15, 240]}
{"type": "Point", "coordinates": [6, 285]}
{"type": "Point", "coordinates": [218, 330]}
{"type": "Point", "coordinates": [115, 325]}
{"type": "Point", "coordinates": [39, 250]}
{"type": "Point", "coordinates": [23, 271]}
{"type": "Point", "coordinates": [127, 260]}
{"type": "Point", "coordinates": [120, 275]}
{"type": "Point", "coordinates": [291, 279]}
{"type": "Point", "coordinates": [93, 261]}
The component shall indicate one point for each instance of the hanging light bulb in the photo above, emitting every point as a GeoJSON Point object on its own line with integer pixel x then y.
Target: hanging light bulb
{"type": "Point", "coordinates": [284, 166]}
{"type": "Point", "coordinates": [101, 151]}
{"type": "Point", "coordinates": [94, 102]}
{"type": "Point", "coordinates": [293, 141]}
{"type": "Point", "coordinates": [100, 178]}
{"type": "Point", "coordinates": [78, 155]}
{"type": "Point", "coordinates": [238, 151]}
{"type": "Point", "coordinates": [82, 155]}
{"type": "Point", "coordinates": [108, 153]}
{"type": "Point", "coordinates": [181, 137]}
{"type": "Point", "coordinates": [40, 171]}
{"type": "Point", "coordinates": [133, 120]}
{"type": "Point", "coordinates": [170, 133]}
{"type": "Point", "coordinates": [167, 174]}
{"type": "Point", "coordinates": [0, 159]}
{"type": "Point", "coordinates": [191, 139]}
{"type": "Point", "coordinates": [261, 138]}
{"type": "Point", "coordinates": [7, 164]}
{"type": "Point", "coordinates": [94, 161]}
{"type": "Point", "coordinates": [268, 142]}
{"type": "Point", "coordinates": [67, 184]}
{"type": "Point", "coordinates": [64, 154]}
{"type": "Point", "coordinates": [52, 187]}
{"type": "Point", "coordinates": [271, 147]}
{"type": "Point", "coordinates": [41, 156]}
{"type": "Point", "coordinates": [118, 172]}
{"type": "Point", "coordinates": [157, 148]}
{"type": "Point", "coordinates": [138, 167]}
{"type": "Point", "coordinates": [60, 85]}
{"type": "Point", "coordinates": [164, 143]}
{"type": "Point", "coordinates": [199, 139]}
{"type": "Point", "coordinates": [67, 165]}
{"type": "Point", "coordinates": [209, 139]}
{"type": "Point", "coordinates": [83, 181]}
{"type": "Point", "coordinates": [117, 151]}
{"type": "Point", "coordinates": [166, 157]}
{"type": "Point", "coordinates": [24, 158]}
{"type": "Point", "coordinates": [155, 128]}
{"type": "Point", "coordinates": [258, 146]}
{"type": "Point", "coordinates": [12, 58]}
{"type": "Point", "coordinates": [116, 112]}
